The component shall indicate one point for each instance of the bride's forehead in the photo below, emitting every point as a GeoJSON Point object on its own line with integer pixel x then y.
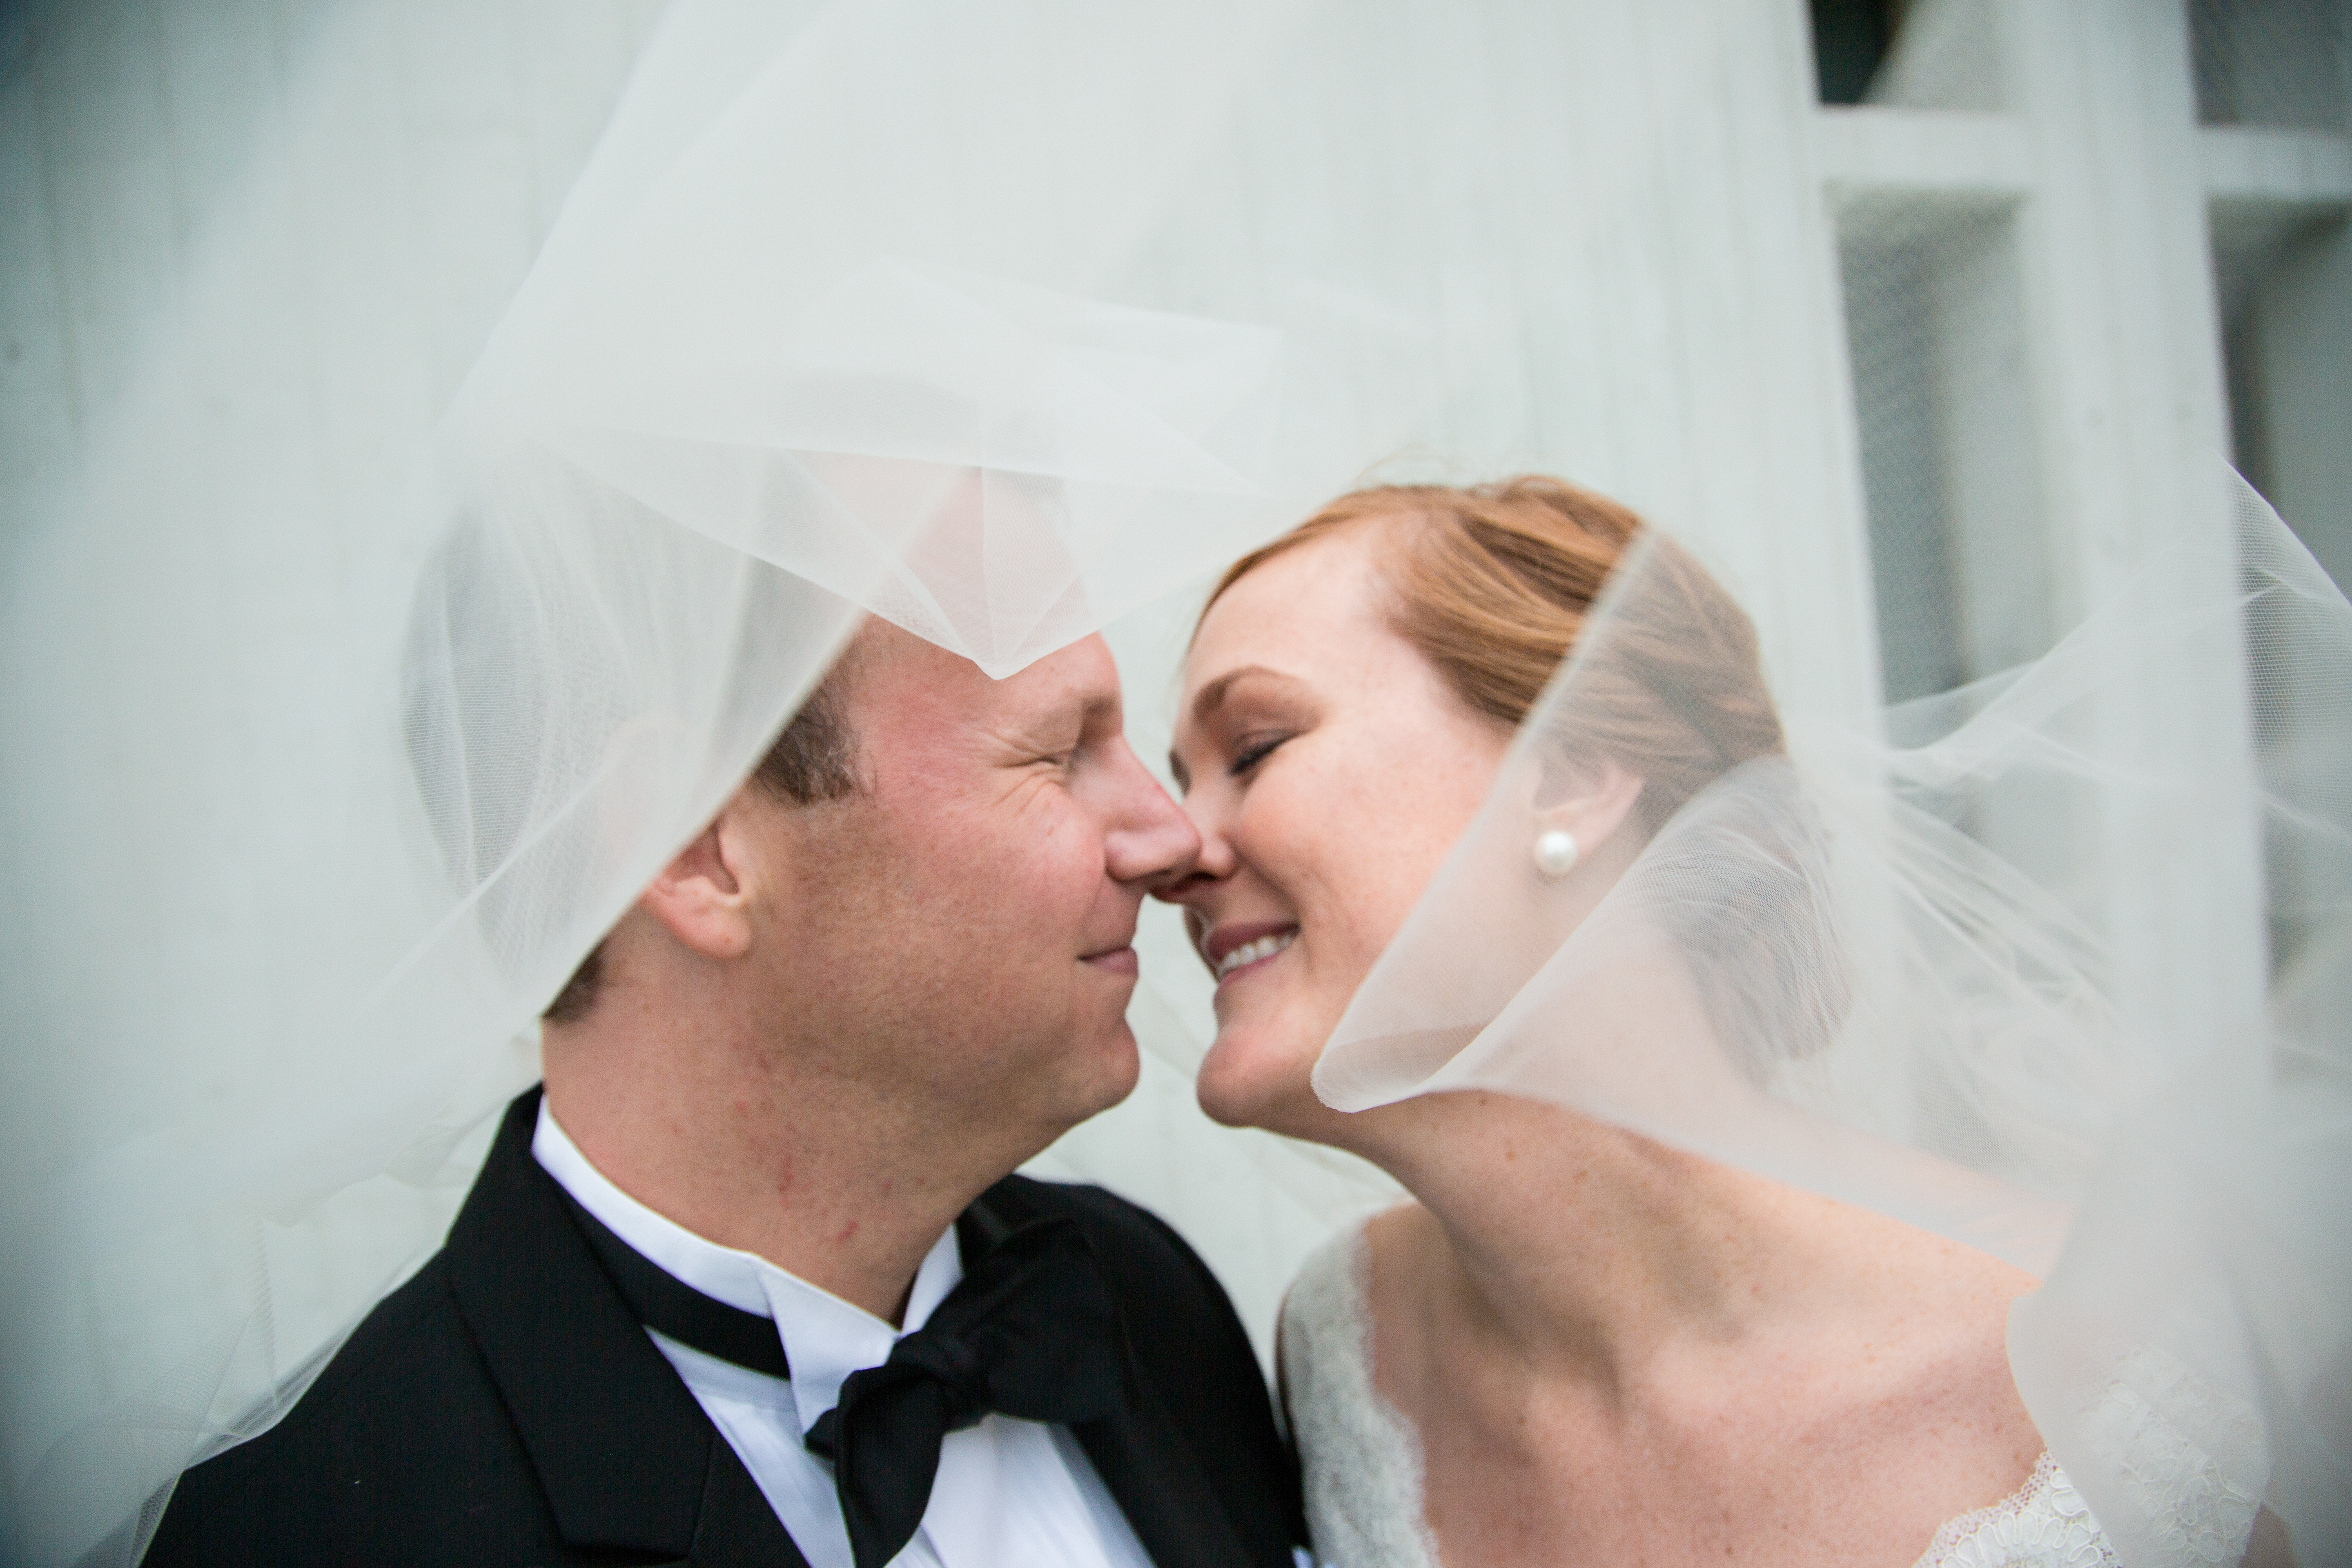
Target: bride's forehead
{"type": "Point", "coordinates": [1318, 605]}
{"type": "Point", "coordinates": [1306, 597]}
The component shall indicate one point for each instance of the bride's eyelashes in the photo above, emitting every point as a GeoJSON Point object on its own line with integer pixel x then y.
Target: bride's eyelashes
{"type": "Point", "coordinates": [1252, 752]}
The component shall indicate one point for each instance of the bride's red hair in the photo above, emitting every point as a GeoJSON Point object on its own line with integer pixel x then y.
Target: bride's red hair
{"type": "Point", "coordinates": [1493, 583]}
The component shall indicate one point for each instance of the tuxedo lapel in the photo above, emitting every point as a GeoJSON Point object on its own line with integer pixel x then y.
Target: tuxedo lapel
{"type": "Point", "coordinates": [739, 1529]}
{"type": "Point", "coordinates": [628, 1460]}
{"type": "Point", "coordinates": [1160, 1487]}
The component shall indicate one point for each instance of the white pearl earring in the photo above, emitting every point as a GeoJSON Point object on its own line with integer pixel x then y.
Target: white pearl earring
{"type": "Point", "coordinates": [1555, 852]}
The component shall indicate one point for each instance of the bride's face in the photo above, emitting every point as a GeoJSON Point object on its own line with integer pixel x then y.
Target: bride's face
{"type": "Point", "coordinates": [1328, 768]}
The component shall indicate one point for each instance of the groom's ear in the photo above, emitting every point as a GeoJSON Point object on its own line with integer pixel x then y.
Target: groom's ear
{"type": "Point", "coordinates": [1588, 798]}
{"type": "Point", "coordinates": [702, 897]}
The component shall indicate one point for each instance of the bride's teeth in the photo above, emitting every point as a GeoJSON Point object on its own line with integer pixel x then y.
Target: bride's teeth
{"type": "Point", "coordinates": [1251, 951]}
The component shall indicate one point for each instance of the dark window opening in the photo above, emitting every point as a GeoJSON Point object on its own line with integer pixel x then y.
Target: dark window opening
{"type": "Point", "coordinates": [1850, 38]}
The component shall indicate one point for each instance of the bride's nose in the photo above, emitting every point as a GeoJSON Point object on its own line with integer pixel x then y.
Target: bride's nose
{"type": "Point", "coordinates": [1215, 861]}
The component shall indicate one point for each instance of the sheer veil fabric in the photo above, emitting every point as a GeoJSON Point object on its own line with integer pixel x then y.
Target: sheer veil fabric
{"type": "Point", "coordinates": [736, 402]}
{"type": "Point", "coordinates": [1003, 322]}
{"type": "Point", "coordinates": [1863, 968]}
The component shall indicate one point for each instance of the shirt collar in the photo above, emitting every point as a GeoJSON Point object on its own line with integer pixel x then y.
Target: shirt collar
{"type": "Point", "coordinates": [824, 1338]}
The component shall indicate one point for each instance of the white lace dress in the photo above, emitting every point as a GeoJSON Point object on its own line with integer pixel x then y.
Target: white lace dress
{"type": "Point", "coordinates": [1362, 1459]}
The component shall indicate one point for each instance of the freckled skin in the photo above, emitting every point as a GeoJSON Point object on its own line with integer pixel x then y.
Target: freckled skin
{"type": "Point", "coordinates": [1614, 1353]}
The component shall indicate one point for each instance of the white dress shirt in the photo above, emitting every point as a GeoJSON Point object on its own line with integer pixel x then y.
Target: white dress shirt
{"type": "Point", "coordinates": [1009, 1494]}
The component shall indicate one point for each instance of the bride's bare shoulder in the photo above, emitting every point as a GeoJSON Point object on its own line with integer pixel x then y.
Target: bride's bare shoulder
{"type": "Point", "coordinates": [1915, 1379]}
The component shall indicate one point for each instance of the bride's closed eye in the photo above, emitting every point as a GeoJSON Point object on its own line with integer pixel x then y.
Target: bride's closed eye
{"type": "Point", "coordinates": [1243, 715]}
{"type": "Point", "coordinates": [1251, 751]}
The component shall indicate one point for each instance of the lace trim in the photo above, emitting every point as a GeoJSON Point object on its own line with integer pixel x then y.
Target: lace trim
{"type": "Point", "coordinates": [1362, 1459]}
{"type": "Point", "coordinates": [2189, 1460]}
{"type": "Point", "coordinates": [2044, 1524]}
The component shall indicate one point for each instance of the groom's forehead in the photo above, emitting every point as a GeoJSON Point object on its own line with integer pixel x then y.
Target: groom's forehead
{"type": "Point", "coordinates": [905, 684]}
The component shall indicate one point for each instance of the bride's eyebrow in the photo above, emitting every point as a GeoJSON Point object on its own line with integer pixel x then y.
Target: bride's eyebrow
{"type": "Point", "coordinates": [1212, 696]}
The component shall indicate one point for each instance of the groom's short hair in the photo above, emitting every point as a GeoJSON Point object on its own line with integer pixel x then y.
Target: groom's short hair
{"type": "Point", "coordinates": [815, 759]}
{"type": "Point", "coordinates": [816, 756]}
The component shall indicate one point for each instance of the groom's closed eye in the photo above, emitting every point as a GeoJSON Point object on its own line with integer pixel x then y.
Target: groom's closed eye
{"type": "Point", "coordinates": [1062, 734]}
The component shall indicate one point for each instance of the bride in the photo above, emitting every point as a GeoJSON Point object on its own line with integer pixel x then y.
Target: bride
{"type": "Point", "coordinates": [1579, 1343]}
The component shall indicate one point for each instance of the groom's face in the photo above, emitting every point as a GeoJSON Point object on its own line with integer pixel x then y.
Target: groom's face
{"type": "Point", "coordinates": [960, 928]}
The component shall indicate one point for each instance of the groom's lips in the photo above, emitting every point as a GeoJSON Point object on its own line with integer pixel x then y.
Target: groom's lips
{"type": "Point", "coordinates": [1118, 957]}
{"type": "Point", "coordinates": [1114, 959]}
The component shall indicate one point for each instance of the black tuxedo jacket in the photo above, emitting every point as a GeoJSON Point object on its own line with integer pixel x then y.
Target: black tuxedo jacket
{"type": "Point", "coordinates": [505, 1407]}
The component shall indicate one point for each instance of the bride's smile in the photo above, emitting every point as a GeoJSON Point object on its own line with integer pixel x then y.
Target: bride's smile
{"type": "Point", "coordinates": [1328, 769]}
{"type": "Point", "coordinates": [1233, 950]}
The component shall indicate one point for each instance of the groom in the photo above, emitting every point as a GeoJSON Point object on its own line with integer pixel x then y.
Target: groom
{"type": "Point", "coordinates": [749, 1282]}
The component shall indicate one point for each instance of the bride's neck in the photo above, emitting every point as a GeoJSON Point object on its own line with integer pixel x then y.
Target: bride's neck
{"type": "Point", "coordinates": [1579, 1244]}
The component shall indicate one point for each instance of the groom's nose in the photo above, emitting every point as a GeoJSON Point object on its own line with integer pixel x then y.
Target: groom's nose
{"type": "Point", "coordinates": [1214, 859]}
{"type": "Point", "coordinates": [1150, 842]}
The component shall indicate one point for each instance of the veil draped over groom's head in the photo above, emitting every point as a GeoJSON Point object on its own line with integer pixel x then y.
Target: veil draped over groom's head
{"type": "Point", "coordinates": [725, 416]}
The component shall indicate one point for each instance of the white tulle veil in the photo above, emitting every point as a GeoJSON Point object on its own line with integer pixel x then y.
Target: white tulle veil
{"type": "Point", "coordinates": [1005, 322]}
{"type": "Point", "coordinates": [733, 407]}
{"type": "Point", "coordinates": [1862, 965]}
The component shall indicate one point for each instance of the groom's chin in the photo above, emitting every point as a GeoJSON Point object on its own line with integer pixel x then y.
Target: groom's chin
{"type": "Point", "coordinates": [1110, 1068]}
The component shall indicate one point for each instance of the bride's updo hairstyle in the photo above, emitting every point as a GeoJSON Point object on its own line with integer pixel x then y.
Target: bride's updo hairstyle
{"type": "Point", "coordinates": [1493, 584]}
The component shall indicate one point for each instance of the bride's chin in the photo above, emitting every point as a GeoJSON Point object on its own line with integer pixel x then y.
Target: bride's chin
{"type": "Point", "coordinates": [1251, 1078]}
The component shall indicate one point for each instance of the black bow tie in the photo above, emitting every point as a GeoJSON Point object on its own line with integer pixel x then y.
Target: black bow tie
{"type": "Point", "coordinates": [1031, 1331]}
